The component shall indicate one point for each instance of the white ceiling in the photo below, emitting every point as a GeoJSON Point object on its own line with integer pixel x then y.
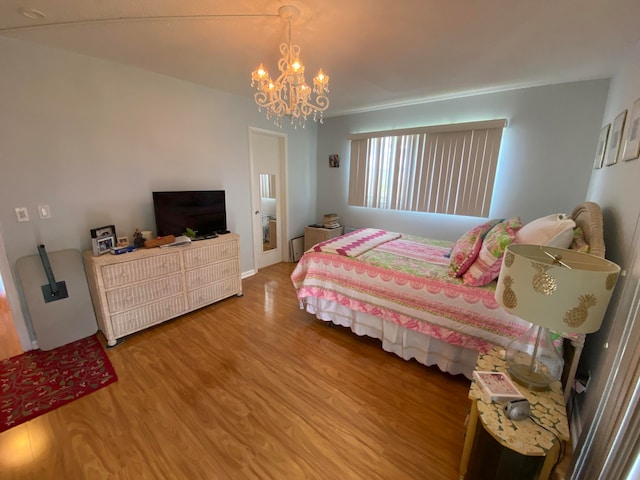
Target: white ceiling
{"type": "Point", "coordinates": [377, 52]}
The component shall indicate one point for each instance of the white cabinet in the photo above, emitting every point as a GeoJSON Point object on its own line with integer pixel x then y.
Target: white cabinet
{"type": "Point", "coordinates": [133, 291]}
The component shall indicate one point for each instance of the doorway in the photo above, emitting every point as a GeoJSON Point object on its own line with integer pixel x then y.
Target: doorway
{"type": "Point", "coordinates": [267, 151]}
{"type": "Point", "coordinates": [10, 344]}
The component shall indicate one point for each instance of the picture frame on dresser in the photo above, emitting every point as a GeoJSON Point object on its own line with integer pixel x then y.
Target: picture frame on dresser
{"type": "Point", "coordinates": [104, 244]}
{"type": "Point", "coordinates": [103, 239]}
{"type": "Point", "coordinates": [107, 230]}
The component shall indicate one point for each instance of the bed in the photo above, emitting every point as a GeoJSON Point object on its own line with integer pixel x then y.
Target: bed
{"type": "Point", "coordinates": [399, 289]}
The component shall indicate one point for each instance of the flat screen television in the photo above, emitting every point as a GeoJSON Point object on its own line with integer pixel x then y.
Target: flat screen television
{"type": "Point", "coordinates": [203, 211]}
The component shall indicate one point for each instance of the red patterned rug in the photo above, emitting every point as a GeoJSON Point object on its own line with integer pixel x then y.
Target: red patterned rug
{"type": "Point", "coordinates": [37, 382]}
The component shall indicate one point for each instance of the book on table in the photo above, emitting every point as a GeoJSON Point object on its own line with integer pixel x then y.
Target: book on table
{"type": "Point", "coordinates": [498, 386]}
{"type": "Point", "coordinates": [330, 220]}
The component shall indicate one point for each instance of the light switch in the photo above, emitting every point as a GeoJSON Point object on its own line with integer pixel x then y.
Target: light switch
{"type": "Point", "coordinates": [44, 211]}
{"type": "Point", "coordinates": [22, 214]}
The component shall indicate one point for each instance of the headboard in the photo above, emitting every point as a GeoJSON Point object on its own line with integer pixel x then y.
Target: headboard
{"type": "Point", "coordinates": [588, 216]}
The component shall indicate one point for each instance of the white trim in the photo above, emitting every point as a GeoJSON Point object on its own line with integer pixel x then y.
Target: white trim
{"type": "Point", "coordinates": [249, 273]}
{"type": "Point", "coordinates": [283, 194]}
{"type": "Point", "coordinates": [13, 298]}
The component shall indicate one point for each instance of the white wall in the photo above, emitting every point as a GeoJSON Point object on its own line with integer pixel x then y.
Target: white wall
{"type": "Point", "coordinates": [615, 188]}
{"type": "Point", "coordinates": [93, 139]}
{"type": "Point", "coordinates": [545, 160]}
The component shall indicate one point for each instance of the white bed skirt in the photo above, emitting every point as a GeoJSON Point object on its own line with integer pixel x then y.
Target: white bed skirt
{"type": "Point", "coordinates": [405, 343]}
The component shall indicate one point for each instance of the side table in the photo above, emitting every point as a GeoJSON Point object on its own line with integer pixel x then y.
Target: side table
{"type": "Point", "coordinates": [497, 447]}
{"type": "Point", "coordinates": [313, 235]}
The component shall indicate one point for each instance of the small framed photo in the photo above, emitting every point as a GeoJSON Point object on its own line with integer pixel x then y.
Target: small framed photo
{"type": "Point", "coordinates": [103, 231]}
{"type": "Point", "coordinates": [103, 239]}
{"type": "Point", "coordinates": [616, 138]}
{"type": "Point", "coordinates": [104, 244]}
{"type": "Point", "coordinates": [602, 146]}
{"type": "Point", "coordinates": [334, 161]}
{"type": "Point", "coordinates": [632, 145]}
{"type": "Point", "coordinates": [122, 241]}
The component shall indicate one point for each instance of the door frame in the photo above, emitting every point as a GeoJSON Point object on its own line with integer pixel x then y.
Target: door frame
{"type": "Point", "coordinates": [13, 298]}
{"type": "Point", "coordinates": [283, 198]}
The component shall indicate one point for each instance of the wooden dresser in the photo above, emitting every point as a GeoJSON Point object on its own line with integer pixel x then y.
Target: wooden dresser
{"type": "Point", "coordinates": [133, 291]}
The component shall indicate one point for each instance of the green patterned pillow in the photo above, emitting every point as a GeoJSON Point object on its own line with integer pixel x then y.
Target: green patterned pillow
{"type": "Point", "coordinates": [486, 267]}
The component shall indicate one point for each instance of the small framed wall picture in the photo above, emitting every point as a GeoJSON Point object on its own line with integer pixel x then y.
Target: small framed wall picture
{"type": "Point", "coordinates": [632, 145]}
{"type": "Point", "coordinates": [334, 160]}
{"type": "Point", "coordinates": [615, 139]}
{"type": "Point", "coordinates": [602, 146]}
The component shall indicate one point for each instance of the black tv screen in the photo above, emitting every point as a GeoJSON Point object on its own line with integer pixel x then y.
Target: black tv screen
{"type": "Point", "coordinates": [203, 211]}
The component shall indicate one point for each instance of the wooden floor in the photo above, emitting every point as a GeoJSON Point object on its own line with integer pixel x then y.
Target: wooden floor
{"type": "Point", "coordinates": [250, 388]}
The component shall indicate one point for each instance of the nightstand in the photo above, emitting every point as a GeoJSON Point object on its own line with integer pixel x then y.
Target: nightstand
{"type": "Point", "coordinates": [497, 447]}
{"type": "Point", "coordinates": [313, 235]}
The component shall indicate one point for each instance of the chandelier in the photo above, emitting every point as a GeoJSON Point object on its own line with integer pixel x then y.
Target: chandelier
{"type": "Point", "coordinates": [289, 95]}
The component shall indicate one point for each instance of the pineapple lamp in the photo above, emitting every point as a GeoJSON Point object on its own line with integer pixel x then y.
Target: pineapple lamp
{"type": "Point", "coordinates": [558, 290]}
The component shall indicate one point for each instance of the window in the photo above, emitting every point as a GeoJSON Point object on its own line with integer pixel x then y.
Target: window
{"type": "Point", "coordinates": [443, 169]}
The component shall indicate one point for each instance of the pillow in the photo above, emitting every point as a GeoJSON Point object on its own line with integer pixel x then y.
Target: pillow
{"type": "Point", "coordinates": [467, 248]}
{"type": "Point", "coordinates": [486, 267]}
{"type": "Point", "coordinates": [579, 242]}
{"type": "Point", "coordinates": [552, 230]}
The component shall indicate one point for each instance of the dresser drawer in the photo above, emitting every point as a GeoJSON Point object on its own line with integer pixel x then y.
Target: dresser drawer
{"type": "Point", "coordinates": [118, 274]}
{"type": "Point", "coordinates": [218, 271]}
{"type": "Point", "coordinates": [213, 292]}
{"type": "Point", "coordinates": [141, 293]}
{"type": "Point", "coordinates": [197, 257]}
{"type": "Point", "coordinates": [139, 318]}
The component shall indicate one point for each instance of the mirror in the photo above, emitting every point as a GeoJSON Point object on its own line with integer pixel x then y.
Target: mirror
{"type": "Point", "coordinates": [268, 204]}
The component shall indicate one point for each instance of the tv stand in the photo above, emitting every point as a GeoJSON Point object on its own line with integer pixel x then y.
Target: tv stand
{"type": "Point", "coordinates": [136, 290]}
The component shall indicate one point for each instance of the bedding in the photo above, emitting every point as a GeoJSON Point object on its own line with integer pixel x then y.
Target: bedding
{"type": "Point", "coordinates": [399, 289]}
{"type": "Point", "coordinates": [405, 280]}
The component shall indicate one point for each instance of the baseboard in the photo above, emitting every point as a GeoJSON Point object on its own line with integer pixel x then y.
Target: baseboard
{"type": "Point", "coordinates": [249, 273]}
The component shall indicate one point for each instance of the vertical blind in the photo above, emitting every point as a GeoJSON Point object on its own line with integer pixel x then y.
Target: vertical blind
{"type": "Point", "coordinates": [443, 169]}
{"type": "Point", "coordinates": [267, 185]}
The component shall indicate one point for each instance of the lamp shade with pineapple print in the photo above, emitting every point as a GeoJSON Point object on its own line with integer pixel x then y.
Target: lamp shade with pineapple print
{"type": "Point", "coordinates": [554, 289]}
{"type": "Point", "coordinates": [564, 290]}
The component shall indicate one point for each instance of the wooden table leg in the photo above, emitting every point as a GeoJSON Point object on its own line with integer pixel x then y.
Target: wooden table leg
{"type": "Point", "coordinates": [550, 461]}
{"type": "Point", "coordinates": [468, 439]}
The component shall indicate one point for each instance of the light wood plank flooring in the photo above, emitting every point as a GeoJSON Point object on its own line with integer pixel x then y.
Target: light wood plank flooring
{"type": "Point", "coordinates": [250, 388]}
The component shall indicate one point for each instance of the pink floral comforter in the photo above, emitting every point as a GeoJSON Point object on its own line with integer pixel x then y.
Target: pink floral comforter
{"type": "Point", "coordinates": [405, 281]}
